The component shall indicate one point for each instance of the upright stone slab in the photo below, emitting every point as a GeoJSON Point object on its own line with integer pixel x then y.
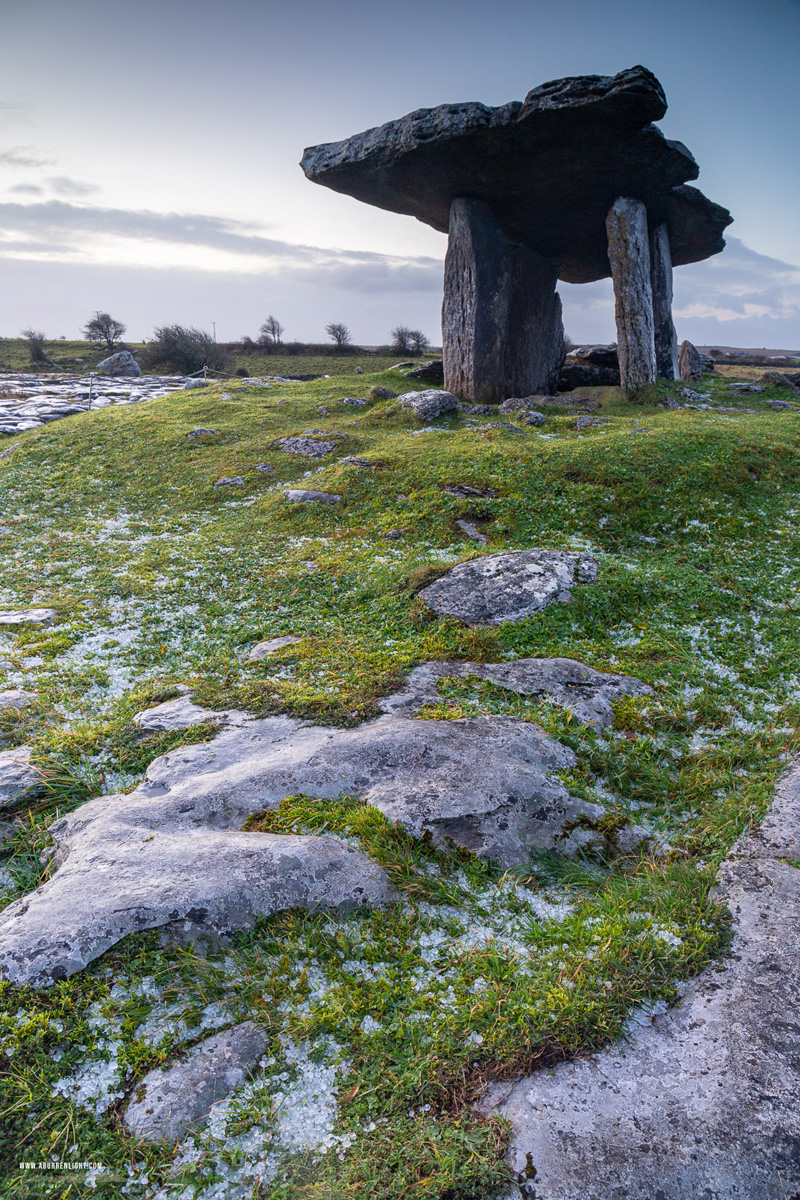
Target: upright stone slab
{"type": "Point", "coordinates": [535, 345]}
{"type": "Point", "coordinates": [629, 256]}
{"type": "Point", "coordinates": [477, 288]}
{"type": "Point", "coordinates": [502, 332]}
{"type": "Point", "coordinates": [666, 341]}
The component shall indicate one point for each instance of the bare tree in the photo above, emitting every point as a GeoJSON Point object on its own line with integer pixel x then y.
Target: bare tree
{"type": "Point", "coordinates": [339, 334]}
{"type": "Point", "coordinates": [35, 339]}
{"type": "Point", "coordinates": [103, 328]}
{"type": "Point", "coordinates": [271, 332]}
{"type": "Point", "coordinates": [401, 339]}
{"type": "Point", "coordinates": [418, 342]}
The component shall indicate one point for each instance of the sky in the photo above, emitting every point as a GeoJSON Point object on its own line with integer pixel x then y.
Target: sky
{"type": "Point", "coordinates": [149, 155]}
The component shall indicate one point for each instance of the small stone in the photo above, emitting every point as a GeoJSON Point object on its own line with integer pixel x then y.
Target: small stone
{"type": "Point", "coordinates": [326, 412]}
{"type": "Point", "coordinates": [28, 616]}
{"type": "Point", "coordinates": [359, 371]}
{"type": "Point", "coordinates": [394, 535]}
{"type": "Point", "coordinates": [6, 664]}
{"type": "Point", "coordinates": [366, 464]}
{"type": "Point", "coordinates": [782, 404]}
{"type": "Point", "coordinates": [121, 363]}
{"type": "Point", "coordinates": [502, 425]}
{"type": "Point", "coordinates": [472, 531]}
{"type": "Point", "coordinates": [402, 366]}
{"type": "Point", "coordinates": [382, 393]}
{"type": "Point", "coordinates": [746, 388]}
{"type": "Point", "coordinates": [535, 418]}
{"type": "Point", "coordinates": [265, 468]}
{"type": "Point", "coordinates": [200, 432]}
{"type": "Point", "coordinates": [308, 447]}
{"type": "Point", "coordinates": [354, 402]}
{"type": "Point", "coordinates": [478, 410]}
{"type": "Point", "coordinates": [585, 422]}
{"type": "Point", "coordinates": [230, 481]}
{"type": "Point", "coordinates": [672, 403]}
{"type": "Point", "coordinates": [465, 491]}
{"type": "Point", "coordinates": [172, 715]}
{"type": "Point", "coordinates": [508, 587]}
{"type": "Point", "coordinates": [430, 404]}
{"type": "Point", "coordinates": [264, 649]}
{"type": "Point", "coordinates": [16, 698]}
{"type": "Point", "coordinates": [524, 403]}
{"type": "Point", "coordinates": [301, 496]}
{"type": "Point", "coordinates": [191, 384]}
{"type": "Point", "coordinates": [178, 1099]}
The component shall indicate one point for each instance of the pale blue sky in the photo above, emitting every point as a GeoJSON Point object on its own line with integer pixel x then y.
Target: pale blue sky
{"type": "Point", "coordinates": [149, 151]}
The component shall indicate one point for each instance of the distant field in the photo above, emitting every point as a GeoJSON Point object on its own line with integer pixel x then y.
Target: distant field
{"type": "Point", "coordinates": [82, 357]}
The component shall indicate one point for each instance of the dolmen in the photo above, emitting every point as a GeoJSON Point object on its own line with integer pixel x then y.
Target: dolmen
{"type": "Point", "coordinates": [573, 183]}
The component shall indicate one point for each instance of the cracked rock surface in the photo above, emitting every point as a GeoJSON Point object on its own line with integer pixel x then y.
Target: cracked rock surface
{"type": "Point", "coordinates": [509, 586]}
{"type": "Point", "coordinates": [171, 853]}
{"type": "Point", "coordinates": [179, 1098]}
{"type": "Point", "coordinates": [702, 1102]}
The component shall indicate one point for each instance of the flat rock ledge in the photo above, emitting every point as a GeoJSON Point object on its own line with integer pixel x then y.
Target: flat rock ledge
{"type": "Point", "coordinates": [172, 854]}
{"type": "Point", "coordinates": [28, 616]}
{"type": "Point", "coordinates": [701, 1102]}
{"type": "Point", "coordinates": [509, 586]}
{"type": "Point", "coordinates": [174, 1101]}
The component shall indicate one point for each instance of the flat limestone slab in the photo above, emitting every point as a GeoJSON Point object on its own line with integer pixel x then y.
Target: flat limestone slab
{"type": "Point", "coordinates": [172, 853]}
{"type": "Point", "coordinates": [549, 167]}
{"type": "Point", "coordinates": [28, 616]}
{"type": "Point", "coordinates": [178, 1098]}
{"type": "Point", "coordinates": [702, 1104]}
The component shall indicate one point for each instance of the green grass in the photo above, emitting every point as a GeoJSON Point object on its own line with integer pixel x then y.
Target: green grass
{"type": "Point", "coordinates": [82, 357]}
{"type": "Point", "coordinates": [160, 578]}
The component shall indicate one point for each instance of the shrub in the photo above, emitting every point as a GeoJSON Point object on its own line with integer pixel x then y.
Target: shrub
{"type": "Point", "coordinates": [185, 350]}
{"type": "Point", "coordinates": [36, 351]}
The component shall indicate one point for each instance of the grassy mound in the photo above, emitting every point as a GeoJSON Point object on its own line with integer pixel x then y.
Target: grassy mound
{"type": "Point", "coordinates": [385, 1026]}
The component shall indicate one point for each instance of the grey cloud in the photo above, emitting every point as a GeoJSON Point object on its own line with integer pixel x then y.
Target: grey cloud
{"type": "Point", "coordinates": [26, 189]}
{"type": "Point", "coordinates": [64, 186]}
{"type": "Point", "coordinates": [17, 156]}
{"type": "Point", "coordinates": [356, 270]}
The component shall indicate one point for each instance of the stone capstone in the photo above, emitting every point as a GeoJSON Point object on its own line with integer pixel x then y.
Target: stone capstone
{"type": "Point", "coordinates": [121, 363]}
{"type": "Point", "coordinates": [171, 1102]}
{"type": "Point", "coordinates": [429, 404]}
{"type": "Point", "coordinates": [549, 167]}
{"type": "Point", "coordinates": [702, 1100]}
{"type": "Point", "coordinates": [172, 854]}
{"type": "Point", "coordinates": [509, 586]}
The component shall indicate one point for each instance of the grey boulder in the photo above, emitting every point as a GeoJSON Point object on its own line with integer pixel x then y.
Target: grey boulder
{"type": "Point", "coordinates": [171, 1102]}
{"type": "Point", "coordinates": [509, 586]}
{"type": "Point", "coordinates": [430, 404]}
{"type": "Point", "coordinates": [121, 363]}
{"type": "Point", "coordinates": [701, 1101]}
{"type": "Point", "coordinates": [18, 778]}
{"type": "Point", "coordinates": [172, 715]}
{"type": "Point", "coordinates": [309, 496]}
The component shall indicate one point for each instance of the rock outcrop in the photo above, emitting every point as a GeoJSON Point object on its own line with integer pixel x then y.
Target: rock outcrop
{"type": "Point", "coordinates": [701, 1101]}
{"type": "Point", "coordinates": [172, 853]}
